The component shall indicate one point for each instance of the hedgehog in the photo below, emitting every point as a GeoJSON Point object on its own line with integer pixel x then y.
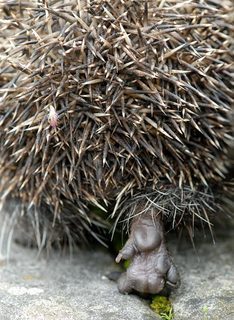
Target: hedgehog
{"type": "Point", "coordinates": [117, 107]}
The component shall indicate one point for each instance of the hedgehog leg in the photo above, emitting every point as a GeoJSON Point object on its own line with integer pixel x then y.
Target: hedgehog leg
{"type": "Point", "coordinates": [151, 268]}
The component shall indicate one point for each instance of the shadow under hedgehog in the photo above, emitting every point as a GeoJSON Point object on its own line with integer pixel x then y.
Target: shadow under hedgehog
{"type": "Point", "coordinates": [119, 104]}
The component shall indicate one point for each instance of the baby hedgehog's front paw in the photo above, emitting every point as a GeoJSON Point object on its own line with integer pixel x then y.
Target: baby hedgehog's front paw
{"type": "Point", "coordinates": [151, 267]}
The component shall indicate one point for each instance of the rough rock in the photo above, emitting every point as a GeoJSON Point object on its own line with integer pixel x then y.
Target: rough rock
{"type": "Point", "coordinates": [207, 287]}
{"type": "Point", "coordinates": [64, 288]}
{"type": "Point", "coordinates": [77, 289]}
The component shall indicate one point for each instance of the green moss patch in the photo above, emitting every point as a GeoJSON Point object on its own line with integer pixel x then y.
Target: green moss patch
{"type": "Point", "coordinates": [163, 307]}
{"type": "Point", "coordinates": [126, 263]}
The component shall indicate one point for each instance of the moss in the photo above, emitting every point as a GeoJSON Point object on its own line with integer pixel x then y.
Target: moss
{"type": "Point", "coordinates": [205, 312]}
{"type": "Point", "coordinates": [163, 307]}
{"type": "Point", "coordinates": [126, 263]}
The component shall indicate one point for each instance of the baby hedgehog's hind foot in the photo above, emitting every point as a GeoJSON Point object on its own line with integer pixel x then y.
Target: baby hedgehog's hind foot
{"type": "Point", "coordinates": [151, 268]}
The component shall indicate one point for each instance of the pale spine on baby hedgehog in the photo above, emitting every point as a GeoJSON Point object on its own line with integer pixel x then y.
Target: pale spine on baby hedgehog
{"type": "Point", "coordinates": [124, 102]}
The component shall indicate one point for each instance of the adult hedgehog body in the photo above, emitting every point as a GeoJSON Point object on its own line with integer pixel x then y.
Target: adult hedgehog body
{"type": "Point", "coordinates": [123, 104]}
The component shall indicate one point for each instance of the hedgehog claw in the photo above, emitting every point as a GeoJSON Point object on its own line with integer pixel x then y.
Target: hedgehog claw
{"type": "Point", "coordinates": [118, 258]}
{"type": "Point", "coordinates": [151, 267]}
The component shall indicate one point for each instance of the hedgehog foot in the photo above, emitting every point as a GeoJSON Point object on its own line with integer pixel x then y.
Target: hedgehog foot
{"type": "Point", "coordinates": [151, 269]}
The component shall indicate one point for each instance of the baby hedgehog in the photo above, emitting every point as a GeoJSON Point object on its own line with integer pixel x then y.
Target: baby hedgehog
{"type": "Point", "coordinates": [121, 105]}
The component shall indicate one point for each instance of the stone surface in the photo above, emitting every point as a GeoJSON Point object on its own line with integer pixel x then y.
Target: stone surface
{"type": "Point", "coordinates": [207, 287]}
{"type": "Point", "coordinates": [64, 288]}
{"type": "Point", "coordinates": [76, 288]}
